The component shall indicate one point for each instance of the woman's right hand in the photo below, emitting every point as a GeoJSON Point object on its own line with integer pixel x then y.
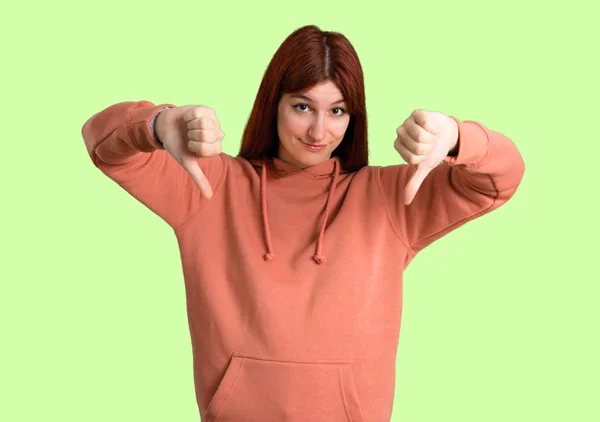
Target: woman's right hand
{"type": "Point", "coordinates": [187, 133]}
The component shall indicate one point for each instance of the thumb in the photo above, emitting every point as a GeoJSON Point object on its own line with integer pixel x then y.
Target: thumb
{"type": "Point", "coordinates": [193, 169]}
{"type": "Point", "coordinates": [413, 185]}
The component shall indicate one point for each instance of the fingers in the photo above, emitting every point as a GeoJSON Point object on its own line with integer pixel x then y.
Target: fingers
{"type": "Point", "coordinates": [417, 143]}
{"type": "Point", "coordinates": [205, 149]}
{"type": "Point", "coordinates": [204, 136]}
{"type": "Point", "coordinates": [209, 136]}
{"type": "Point", "coordinates": [204, 131]}
{"type": "Point", "coordinates": [418, 134]}
{"type": "Point", "coordinates": [198, 111]}
{"type": "Point", "coordinates": [406, 154]}
{"type": "Point", "coordinates": [204, 123]}
{"type": "Point", "coordinates": [410, 150]}
{"type": "Point", "coordinates": [413, 185]}
{"type": "Point", "coordinates": [413, 142]}
{"type": "Point", "coordinates": [423, 119]}
{"type": "Point", "coordinates": [193, 169]}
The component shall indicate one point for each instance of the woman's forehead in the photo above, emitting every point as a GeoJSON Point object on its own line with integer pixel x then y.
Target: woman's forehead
{"type": "Point", "coordinates": [326, 92]}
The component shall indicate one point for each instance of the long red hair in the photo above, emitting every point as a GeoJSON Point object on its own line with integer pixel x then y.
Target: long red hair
{"type": "Point", "coordinates": [307, 57]}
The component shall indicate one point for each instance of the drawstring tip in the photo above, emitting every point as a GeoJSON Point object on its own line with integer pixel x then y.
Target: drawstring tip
{"type": "Point", "coordinates": [269, 256]}
{"type": "Point", "coordinates": [320, 259]}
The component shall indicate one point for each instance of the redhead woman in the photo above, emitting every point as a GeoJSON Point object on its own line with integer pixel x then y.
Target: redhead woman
{"type": "Point", "coordinates": [293, 251]}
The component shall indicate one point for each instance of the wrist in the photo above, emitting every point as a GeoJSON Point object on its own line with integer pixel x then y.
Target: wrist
{"type": "Point", "coordinates": [453, 150]}
{"type": "Point", "coordinates": [156, 123]}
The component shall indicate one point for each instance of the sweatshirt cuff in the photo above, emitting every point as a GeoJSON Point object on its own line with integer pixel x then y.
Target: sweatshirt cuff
{"type": "Point", "coordinates": [472, 144]}
{"type": "Point", "coordinates": [140, 126]}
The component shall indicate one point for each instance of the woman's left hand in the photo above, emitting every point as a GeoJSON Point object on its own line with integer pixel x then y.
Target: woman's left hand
{"type": "Point", "coordinates": [425, 139]}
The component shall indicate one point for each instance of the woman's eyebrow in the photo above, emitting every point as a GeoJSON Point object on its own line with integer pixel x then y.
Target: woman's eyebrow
{"type": "Point", "coordinates": [304, 97]}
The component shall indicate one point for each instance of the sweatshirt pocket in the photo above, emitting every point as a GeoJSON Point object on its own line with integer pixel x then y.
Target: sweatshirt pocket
{"type": "Point", "coordinates": [268, 390]}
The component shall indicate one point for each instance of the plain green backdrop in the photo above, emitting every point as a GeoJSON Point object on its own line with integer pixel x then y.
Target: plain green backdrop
{"type": "Point", "coordinates": [501, 318]}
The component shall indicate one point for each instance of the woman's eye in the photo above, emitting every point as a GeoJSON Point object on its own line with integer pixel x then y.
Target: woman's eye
{"type": "Point", "coordinates": [336, 111]}
{"type": "Point", "coordinates": [297, 107]}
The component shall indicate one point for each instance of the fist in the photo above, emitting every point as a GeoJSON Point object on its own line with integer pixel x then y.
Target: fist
{"type": "Point", "coordinates": [190, 132]}
{"type": "Point", "coordinates": [424, 140]}
{"type": "Point", "coordinates": [204, 130]}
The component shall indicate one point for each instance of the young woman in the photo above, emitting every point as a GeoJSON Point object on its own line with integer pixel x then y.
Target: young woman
{"type": "Point", "coordinates": [293, 251]}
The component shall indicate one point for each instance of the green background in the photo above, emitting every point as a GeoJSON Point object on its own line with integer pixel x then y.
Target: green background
{"type": "Point", "coordinates": [501, 316]}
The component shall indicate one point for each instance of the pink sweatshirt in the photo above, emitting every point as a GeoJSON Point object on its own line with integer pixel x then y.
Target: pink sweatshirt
{"type": "Point", "coordinates": [293, 277]}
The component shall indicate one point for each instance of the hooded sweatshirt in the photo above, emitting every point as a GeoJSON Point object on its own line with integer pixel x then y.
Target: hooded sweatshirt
{"type": "Point", "coordinates": [293, 277]}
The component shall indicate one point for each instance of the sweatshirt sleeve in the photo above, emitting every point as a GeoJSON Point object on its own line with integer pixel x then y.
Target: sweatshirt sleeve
{"type": "Point", "coordinates": [484, 175]}
{"type": "Point", "coordinates": [121, 143]}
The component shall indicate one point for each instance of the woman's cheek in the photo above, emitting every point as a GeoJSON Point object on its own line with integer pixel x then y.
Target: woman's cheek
{"type": "Point", "coordinates": [341, 130]}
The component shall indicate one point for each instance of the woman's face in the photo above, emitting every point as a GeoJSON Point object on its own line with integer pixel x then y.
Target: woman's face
{"type": "Point", "coordinates": [311, 124]}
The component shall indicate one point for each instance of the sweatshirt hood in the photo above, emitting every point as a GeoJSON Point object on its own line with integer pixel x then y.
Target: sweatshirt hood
{"type": "Point", "coordinates": [330, 168]}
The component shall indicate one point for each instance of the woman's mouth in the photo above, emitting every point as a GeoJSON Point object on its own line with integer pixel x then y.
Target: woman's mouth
{"type": "Point", "coordinates": [313, 147]}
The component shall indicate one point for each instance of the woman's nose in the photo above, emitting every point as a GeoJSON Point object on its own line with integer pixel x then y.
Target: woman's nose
{"type": "Point", "coordinates": [317, 130]}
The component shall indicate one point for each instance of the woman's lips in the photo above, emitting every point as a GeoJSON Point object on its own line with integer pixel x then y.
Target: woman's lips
{"type": "Point", "coordinates": [314, 147]}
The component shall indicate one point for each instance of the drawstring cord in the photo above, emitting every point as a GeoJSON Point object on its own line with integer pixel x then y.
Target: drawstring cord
{"type": "Point", "coordinates": [263, 189]}
{"type": "Point", "coordinates": [318, 257]}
